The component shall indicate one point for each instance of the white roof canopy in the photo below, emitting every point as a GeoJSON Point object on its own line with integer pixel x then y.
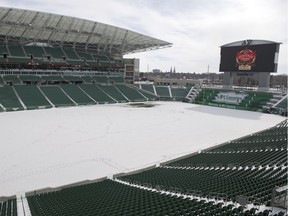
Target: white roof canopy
{"type": "Point", "coordinates": [26, 26]}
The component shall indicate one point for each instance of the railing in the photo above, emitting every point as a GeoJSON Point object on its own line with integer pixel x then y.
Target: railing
{"type": "Point", "coordinates": [57, 72]}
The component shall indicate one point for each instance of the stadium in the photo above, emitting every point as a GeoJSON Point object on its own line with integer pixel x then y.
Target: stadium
{"type": "Point", "coordinates": [79, 135]}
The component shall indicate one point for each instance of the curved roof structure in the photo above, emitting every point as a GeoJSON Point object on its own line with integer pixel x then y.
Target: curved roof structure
{"type": "Point", "coordinates": [26, 26]}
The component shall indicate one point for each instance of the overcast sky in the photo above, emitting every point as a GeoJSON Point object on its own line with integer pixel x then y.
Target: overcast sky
{"type": "Point", "coordinates": [197, 28]}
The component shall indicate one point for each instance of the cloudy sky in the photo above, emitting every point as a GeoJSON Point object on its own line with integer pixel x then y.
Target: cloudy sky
{"type": "Point", "coordinates": [197, 28]}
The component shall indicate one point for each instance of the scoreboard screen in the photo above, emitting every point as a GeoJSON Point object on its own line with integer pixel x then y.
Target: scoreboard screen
{"type": "Point", "coordinates": [247, 57]}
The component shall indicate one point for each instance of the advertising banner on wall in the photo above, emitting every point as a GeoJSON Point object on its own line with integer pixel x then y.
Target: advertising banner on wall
{"type": "Point", "coordinates": [229, 97]}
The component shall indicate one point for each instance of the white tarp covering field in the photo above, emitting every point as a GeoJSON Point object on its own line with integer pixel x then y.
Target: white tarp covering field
{"type": "Point", "coordinates": [54, 147]}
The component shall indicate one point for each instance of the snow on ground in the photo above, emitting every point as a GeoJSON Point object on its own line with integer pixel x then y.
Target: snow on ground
{"type": "Point", "coordinates": [54, 147]}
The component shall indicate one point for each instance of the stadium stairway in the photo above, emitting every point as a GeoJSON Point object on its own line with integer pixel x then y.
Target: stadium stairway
{"type": "Point", "coordinates": [192, 94]}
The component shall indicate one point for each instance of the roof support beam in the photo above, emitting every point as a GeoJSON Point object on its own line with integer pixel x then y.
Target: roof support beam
{"type": "Point", "coordinates": [90, 36]}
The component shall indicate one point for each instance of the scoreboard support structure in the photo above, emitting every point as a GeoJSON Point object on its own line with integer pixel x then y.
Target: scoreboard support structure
{"type": "Point", "coordinates": [262, 77]}
{"type": "Point", "coordinates": [264, 80]}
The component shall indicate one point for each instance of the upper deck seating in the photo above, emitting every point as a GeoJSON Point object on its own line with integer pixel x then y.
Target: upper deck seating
{"type": "Point", "coordinates": [84, 55]}
{"type": "Point", "coordinates": [76, 62]}
{"type": "Point", "coordinates": [35, 51]}
{"type": "Point", "coordinates": [116, 79]}
{"type": "Point", "coordinates": [16, 50]}
{"type": "Point", "coordinates": [30, 78]}
{"type": "Point", "coordinates": [3, 60]}
{"type": "Point", "coordinates": [12, 79]}
{"type": "Point", "coordinates": [100, 57]}
{"type": "Point", "coordinates": [52, 78]}
{"type": "Point", "coordinates": [55, 52]}
{"type": "Point", "coordinates": [1, 81]}
{"type": "Point", "coordinates": [71, 54]}
{"type": "Point", "coordinates": [75, 79]}
{"type": "Point", "coordinates": [87, 79]}
{"type": "Point", "coordinates": [3, 50]}
{"type": "Point", "coordinates": [100, 79]}
{"type": "Point", "coordinates": [17, 60]}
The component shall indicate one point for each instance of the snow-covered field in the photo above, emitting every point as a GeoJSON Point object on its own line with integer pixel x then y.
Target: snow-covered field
{"type": "Point", "coordinates": [54, 147]}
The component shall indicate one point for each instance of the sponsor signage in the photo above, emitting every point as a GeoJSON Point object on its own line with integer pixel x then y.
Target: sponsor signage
{"type": "Point", "coordinates": [229, 97]}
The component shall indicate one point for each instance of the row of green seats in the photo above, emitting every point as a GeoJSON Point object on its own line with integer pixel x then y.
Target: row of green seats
{"type": "Point", "coordinates": [20, 79]}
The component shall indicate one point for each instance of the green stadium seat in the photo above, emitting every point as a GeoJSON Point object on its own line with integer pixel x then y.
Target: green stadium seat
{"type": "Point", "coordinates": [3, 50]}
{"type": "Point", "coordinates": [12, 79]}
{"type": "Point", "coordinates": [116, 79]}
{"type": "Point", "coordinates": [56, 96]}
{"type": "Point", "coordinates": [19, 60]}
{"type": "Point", "coordinates": [54, 52]}
{"type": "Point", "coordinates": [35, 51]}
{"type": "Point", "coordinates": [179, 93]}
{"type": "Point", "coordinates": [32, 97]}
{"type": "Point", "coordinates": [113, 92]}
{"type": "Point", "coordinates": [77, 94]}
{"type": "Point", "coordinates": [9, 100]}
{"type": "Point", "coordinates": [100, 79]}
{"type": "Point", "coordinates": [131, 93]}
{"type": "Point", "coordinates": [71, 54]}
{"type": "Point", "coordinates": [30, 78]}
{"type": "Point", "coordinates": [148, 87]}
{"type": "Point", "coordinates": [16, 51]}
{"type": "Point", "coordinates": [163, 92]}
{"type": "Point", "coordinates": [96, 93]}
{"type": "Point", "coordinates": [1, 81]}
